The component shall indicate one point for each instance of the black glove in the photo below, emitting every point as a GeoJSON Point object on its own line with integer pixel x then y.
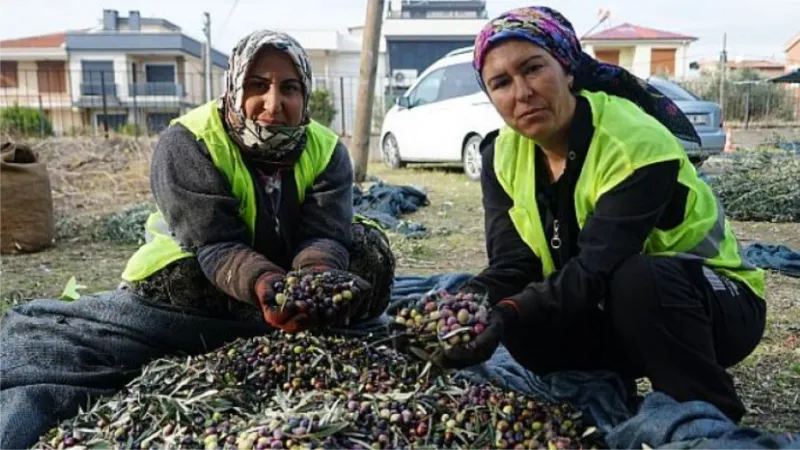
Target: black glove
{"type": "Point", "coordinates": [480, 349]}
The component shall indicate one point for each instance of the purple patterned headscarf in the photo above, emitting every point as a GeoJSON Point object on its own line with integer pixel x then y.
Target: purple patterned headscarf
{"type": "Point", "coordinates": [548, 29]}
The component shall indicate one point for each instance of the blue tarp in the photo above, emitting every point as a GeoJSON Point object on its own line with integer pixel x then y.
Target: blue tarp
{"type": "Point", "coordinates": [55, 353]}
{"type": "Point", "coordinates": [660, 421]}
{"type": "Point", "coordinates": [779, 258]}
{"type": "Point", "coordinates": [385, 203]}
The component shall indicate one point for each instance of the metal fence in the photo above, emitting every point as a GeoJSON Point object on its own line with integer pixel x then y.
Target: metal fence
{"type": "Point", "coordinates": [72, 103]}
{"type": "Point", "coordinates": [751, 102]}
{"type": "Point", "coordinates": [69, 103]}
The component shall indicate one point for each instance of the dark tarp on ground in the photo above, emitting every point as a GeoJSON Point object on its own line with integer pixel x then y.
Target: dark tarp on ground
{"type": "Point", "coordinates": [56, 353]}
{"type": "Point", "coordinates": [779, 258]}
{"type": "Point", "coordinates": [385, 203]}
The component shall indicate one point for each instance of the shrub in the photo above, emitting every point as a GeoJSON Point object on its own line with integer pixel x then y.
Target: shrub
{"type": "Point", "coordinates": [321, 107]}
{"type": "Point", "coordinates": [22, 121]}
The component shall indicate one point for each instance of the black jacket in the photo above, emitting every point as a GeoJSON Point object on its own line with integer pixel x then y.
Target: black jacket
{"type": "Point", "coordinates": [616, 230]}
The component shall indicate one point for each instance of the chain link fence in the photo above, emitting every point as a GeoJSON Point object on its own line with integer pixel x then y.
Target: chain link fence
{"type": "Point", "coordinates": [40, 103]}
{"type": "Point", "coordinates": [750, 100]}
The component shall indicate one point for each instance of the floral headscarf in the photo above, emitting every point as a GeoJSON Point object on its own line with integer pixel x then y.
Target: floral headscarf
{"type": "Point", "coordinates": [548, 29]}
{"type": "Point", "coordinates": [272, 143]}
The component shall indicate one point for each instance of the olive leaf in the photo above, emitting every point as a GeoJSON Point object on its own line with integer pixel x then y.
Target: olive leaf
{"type": "Point", "coordinates": [70, 292]}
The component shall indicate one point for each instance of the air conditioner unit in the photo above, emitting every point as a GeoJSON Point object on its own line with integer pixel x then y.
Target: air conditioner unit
{"type": "Point", "coordinates": [403, 78]}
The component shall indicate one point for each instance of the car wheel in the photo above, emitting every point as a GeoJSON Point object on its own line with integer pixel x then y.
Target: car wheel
{"type": "Point", "coordinates": [471, 156]}
{"type": "Point", "coordinates": [391, 152]}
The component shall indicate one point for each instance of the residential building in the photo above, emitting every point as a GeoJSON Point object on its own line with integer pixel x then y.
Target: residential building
{"type": "Point", "coordinates": [643, 51]}
{"type": "Point", "coordinates": [437, 9]}
{"type": "Point", "coordinates": [763, 67]}
{"type": "Point", "coordinates": [792, 51]}
{"type": "Point", "coordinates": [335, 58]}
{"type": "Point", "coordinates": [33, 73]}
{"type": "Point", "coordinates": [415, 33]}
{"type": "Point", "coordinates": [419, 32]}
{"type": "Point", "coordinates": [129, 70]}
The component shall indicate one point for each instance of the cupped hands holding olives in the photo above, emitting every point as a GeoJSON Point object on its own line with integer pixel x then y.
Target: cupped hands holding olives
{"type": "Point", "coordinates": [309, 298]}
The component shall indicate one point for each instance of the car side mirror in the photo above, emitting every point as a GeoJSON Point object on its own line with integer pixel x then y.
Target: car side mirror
{"type": "Point", "coordinates": [403, 102]}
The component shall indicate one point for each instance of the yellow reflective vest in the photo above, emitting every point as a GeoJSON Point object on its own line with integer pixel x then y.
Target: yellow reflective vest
{"type": "Point", "coordinates": [205, 123]}
{"type": "Point", "coordinates": [625, 139]}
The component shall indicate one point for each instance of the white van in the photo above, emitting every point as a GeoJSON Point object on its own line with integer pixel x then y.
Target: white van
{"type": "Point", "coordinates": [442, 118]}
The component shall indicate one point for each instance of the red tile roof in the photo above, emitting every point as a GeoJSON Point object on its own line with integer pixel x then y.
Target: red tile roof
{"type": "Point", "coordinates": [756, 64]}
{"type": "Point", "coordinates": [54, 40]}
{"type": "Point", "coordinates": [629, 32]}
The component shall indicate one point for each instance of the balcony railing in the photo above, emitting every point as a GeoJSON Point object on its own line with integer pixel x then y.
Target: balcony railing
{"type": "Point", "coordinates": [96, 88]}
{"type": "Point", "coordinates": [165, 89]}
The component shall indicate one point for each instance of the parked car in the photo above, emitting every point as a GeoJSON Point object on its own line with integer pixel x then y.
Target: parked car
{"type": "Point", "coordinates": [705, 116]}
{"type": "Point", "coordinates": [444, 115]}
{"type": "Point", "coordinates": [441, 118]}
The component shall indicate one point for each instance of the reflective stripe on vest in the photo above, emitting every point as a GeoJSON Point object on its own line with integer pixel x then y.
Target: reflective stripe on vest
{"type": "Point", "coordinates": [205, 123]}
{"type": "Point", "coordinates": [624, 140]}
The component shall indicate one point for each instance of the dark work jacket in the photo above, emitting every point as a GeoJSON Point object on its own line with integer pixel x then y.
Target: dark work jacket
{"type": "Point", "coordinates": [616, 230]}
{"type": "Point", "coordinates": [201, 210]}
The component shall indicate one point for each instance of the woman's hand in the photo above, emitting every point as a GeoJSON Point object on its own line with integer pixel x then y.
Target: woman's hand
{"type": "Point", "coordinates": [352, 306]}
{"type": "Point", "coordinates": [481, 348]}
{"type": "Point", "coordinates": [289, 320]}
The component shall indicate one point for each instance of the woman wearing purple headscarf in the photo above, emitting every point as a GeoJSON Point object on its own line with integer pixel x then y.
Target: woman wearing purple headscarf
{"type": "Point", "coordinates": [606, 250]}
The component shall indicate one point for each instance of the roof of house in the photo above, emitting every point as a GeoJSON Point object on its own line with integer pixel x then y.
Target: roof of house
{"type": "Point", "coordinates": [630, 32]}
{"type": "Point", "coordinates": [54, 40]}
{"type": "Point", "coordinates": [736, 63]}
{"type": "Point", "coordinates": [792, 42]}
{"type": "Point", "coordinates": [756, 64]}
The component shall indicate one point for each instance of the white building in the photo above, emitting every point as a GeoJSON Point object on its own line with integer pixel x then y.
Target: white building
{"type": "Point", "coordinates": [642, 51]}
{"type": "Point", "coordinates": [128, 71]}
{"type": "Point", "coordinates": [414, 34]}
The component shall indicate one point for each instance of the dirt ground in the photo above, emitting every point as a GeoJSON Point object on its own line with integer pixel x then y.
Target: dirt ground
{"type": "Point", "coordinates": [87, 183]}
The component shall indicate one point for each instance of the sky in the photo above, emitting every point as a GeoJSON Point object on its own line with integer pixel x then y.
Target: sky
{"type": "Point", "coordinates": [756, 29]}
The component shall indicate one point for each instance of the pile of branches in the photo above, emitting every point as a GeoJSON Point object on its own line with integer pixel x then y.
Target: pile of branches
{"type": "Point", "coordinates": [323, 390]}
{"type": "Point", "coordinates": [761, 186]}
{"type": "Point", "coordinates": [93, 177]}
{"type": "Point", "coordinates": [315, 391]}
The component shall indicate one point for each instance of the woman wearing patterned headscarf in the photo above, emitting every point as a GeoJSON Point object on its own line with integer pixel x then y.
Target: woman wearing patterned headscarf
{"type": "Point", "coordinates": [606, 251]}
{"type": "Point", "coordinates": [249, 187]}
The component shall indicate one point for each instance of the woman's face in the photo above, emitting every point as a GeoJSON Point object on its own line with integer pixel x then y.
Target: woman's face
{"type": "Point", "coordinates": [529, 89]}
{"type": "Point", "coordinates": [273, 92]}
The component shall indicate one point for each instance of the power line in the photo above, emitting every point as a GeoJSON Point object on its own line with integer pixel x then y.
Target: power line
{"type": "Point", "coordinates": [225, 23]}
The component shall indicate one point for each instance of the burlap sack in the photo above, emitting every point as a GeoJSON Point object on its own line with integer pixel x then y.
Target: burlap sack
{"type": "Point", "coordinates": [27, 224]}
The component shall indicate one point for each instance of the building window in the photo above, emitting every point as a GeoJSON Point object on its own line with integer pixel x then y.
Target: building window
{"type": "Point", "coordinates": [8, 74]}
{"type": "Point", "coordinates": [51, 76]}
{"type": "Point", "coordinates": [159, 73]}
{"type": "Point", "coordinates": [96, 75]}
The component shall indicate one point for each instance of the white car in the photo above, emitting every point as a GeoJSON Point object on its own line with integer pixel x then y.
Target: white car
{"type": "Point", "coordinates": [442, 118]}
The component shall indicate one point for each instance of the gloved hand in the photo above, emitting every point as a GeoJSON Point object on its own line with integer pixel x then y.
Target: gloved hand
{"type": "Point", "coordinates": [286, 319]}
{"type": "Point", "coordinates": [480, 349]}
{"type": "Point", "coordinates": [354, 306]}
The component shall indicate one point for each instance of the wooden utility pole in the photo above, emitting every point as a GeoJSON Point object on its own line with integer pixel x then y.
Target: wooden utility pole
{"type": "Point", "coordinates": [370, 47]}
{"type": "Point", "coordinates": [723, 71]}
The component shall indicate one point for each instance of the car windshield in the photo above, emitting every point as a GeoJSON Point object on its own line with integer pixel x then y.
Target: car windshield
{"type": "Point", "coordinates": [673, 91]}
